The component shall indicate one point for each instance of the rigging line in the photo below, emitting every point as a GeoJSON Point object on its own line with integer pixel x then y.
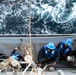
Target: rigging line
{"type": "Point", "coordinates": [29, 24]}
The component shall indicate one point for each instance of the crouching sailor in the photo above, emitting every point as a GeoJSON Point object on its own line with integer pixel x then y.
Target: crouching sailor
{"type": "Point", "coordinates": [65, 48]}
{"type": "Point", "coordinates": [14, 57]}
{"type": "Point", "coordinates": [50, 53]}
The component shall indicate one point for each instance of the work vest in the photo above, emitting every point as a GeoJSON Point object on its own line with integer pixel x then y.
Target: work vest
{"type": "Point", "coordinates": [15, 56]}
{"type": "Point", "coordinates": [64, 50]}
{"type": "Point", "coordinates": [49, 55]}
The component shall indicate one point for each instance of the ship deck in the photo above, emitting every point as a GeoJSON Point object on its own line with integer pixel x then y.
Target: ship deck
{"type": "Point", "coordinates": [8, 43]}
{"type": "Point", "coordinates": [66, 72]}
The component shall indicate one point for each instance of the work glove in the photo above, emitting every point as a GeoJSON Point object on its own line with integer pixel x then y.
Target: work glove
{"type": "Point", "coordinates": [39, 65]}
{"type": "Point", "coordinates": [54, 63]}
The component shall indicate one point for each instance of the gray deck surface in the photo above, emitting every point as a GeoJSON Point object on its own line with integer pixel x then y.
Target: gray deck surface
{"type": "Point", "coordinates": [66, 72]}
{"type": "Point", "coordinates": [7, 44]}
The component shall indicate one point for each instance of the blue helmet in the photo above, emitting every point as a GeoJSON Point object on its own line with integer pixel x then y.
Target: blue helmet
{"type": "Point", "coordinates": [68, 42]}
{"type": "Point", "coordinates": [51, 45]}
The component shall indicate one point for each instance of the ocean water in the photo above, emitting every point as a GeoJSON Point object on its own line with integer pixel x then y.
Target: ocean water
{"type": "Point", "coordinates": [47, 16]}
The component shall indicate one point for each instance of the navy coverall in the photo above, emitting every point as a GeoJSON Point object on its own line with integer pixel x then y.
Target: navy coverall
{"type": "Point", "coordinates": [64, 51]}
{"type": "Point", "coordinates": [44, 54]}
{"type": "Point", "coordinates": [16, 56]}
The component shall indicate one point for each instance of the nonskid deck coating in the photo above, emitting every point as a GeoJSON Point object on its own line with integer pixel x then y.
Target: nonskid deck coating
{"type": "Point", "coordinates": [66, 72]}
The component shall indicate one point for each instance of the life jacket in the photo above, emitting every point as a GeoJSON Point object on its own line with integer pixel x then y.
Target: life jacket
{"type": "Point", "coordinates": [64, 50]}
{"type": "Point", "coordinates": [15, 56]}
{"type": "Point", "coordinates": [61, 46]}
{"type": "Point", "coordinates": [49, 55]}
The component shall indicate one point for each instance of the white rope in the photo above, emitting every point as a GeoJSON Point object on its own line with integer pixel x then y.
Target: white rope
{"type": "Point", "coordinates": [29, 23]}
{"type": "Point", "coordinates": [26, 69]}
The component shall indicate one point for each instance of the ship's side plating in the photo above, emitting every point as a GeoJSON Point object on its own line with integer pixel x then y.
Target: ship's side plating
{"type": "Point", "coordinates": [9, 42]}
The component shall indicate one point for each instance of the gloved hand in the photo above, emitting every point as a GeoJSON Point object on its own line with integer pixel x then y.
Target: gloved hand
{"type": "Point", "coordinates": [16, 48]}
{"type": "Point", "coordinates": [39, 65]}
{"type": "Point", "coordinates": [54, 63]}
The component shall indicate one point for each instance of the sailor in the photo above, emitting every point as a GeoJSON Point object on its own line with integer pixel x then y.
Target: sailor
{"type": "Point", "coordinates": [65, 48]}
{"type": "Point", "coordinates": [16, 56]}
{"type": "Point", "coordinates": [48, 52]}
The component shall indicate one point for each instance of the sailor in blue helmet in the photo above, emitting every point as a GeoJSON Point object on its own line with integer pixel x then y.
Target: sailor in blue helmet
{"type": "Point", "coordinates": [48, 52]}
{"type": "Point", "coordinates": [16, 56]}
{"type": "Point", "coordinates": [65, 47]}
